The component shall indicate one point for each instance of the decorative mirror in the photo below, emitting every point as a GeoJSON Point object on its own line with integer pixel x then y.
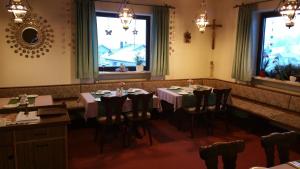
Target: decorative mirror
{"type": "Point", "coordinates": [32, 38]}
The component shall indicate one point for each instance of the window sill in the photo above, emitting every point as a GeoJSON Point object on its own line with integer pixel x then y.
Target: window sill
{"type": "Point", "coordinates": [278, 85]}
{"type": "Point", "coordinates": [129, 75]}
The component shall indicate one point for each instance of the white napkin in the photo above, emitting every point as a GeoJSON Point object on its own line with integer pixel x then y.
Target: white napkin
{"type": "Point", "coordinates": [175, 87]}
{"type": "Point", "coordinates": [133, 90]}
{"type": "Point", "coordinates": [183, 93]}
{"type": "Point", "coordinates": [103, 91]}
{"type": "Point", "coordinates": [11, 105]}
{"type": "Point", "coordinates": [27, 118]}
{"type": "Point", "coordinates": [32, 95]}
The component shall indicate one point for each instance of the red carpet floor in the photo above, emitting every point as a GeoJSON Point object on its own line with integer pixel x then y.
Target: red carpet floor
{"type": "Point", "coordinates": [171, 149]}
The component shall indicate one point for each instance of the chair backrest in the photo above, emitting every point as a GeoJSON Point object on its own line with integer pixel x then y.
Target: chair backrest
{"type": "Point", "coordinates": [202, 99]}
{"type": "Point", "coordinates": [283, 142]}
{"type": "Point", "coordinates": [221, 98]}
{"type": "Point", "coordinates": [140, 104]}
{"type": "Point", "coordinates": [228, 151]}
{"type": "Point", "coordinates": [113, 107]}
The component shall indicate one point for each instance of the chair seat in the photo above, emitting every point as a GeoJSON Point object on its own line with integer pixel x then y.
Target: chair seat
{"type": "Point", "coordinates": [103, 119]}
{"type": "Point", "coordinates": [213, 107]}
{"type": "Point", "coordinates": [192, 110]}
{"type": "Point", "coordinates": [140, 114]}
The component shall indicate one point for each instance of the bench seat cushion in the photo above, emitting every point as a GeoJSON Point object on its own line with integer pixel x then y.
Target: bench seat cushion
{"type": "Point", "coordinates": [57, 91]}
{"type": "Point", "coordinates": [286, 118]}
{"type": "Point", "coordinates": [289, 119]}
{"type": "Point", "coordinates": [263, 96]}
{"type": "Point", "coordinates": [295, 104]}
{"type": "Point", "coordinates": [74, 105]}
{"type": "Point", "coordinates": [256, 108]}
{"type": "Point", "coordinates": [71, 104]}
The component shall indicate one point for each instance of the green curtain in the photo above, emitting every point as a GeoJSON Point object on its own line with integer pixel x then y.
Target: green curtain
{"type": "Point", "coordinates": [87, 44]}
{"type": "Point", "coordinates": [160, 41]}
{"type": "Point", "coordinates": [242, 64]}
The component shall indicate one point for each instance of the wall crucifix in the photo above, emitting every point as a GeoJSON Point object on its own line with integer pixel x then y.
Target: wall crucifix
{"type": "Point", "coordinates": [213, 26]}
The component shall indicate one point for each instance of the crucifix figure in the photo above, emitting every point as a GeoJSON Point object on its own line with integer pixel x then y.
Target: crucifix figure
{"type": "Point", "coordinates": [214, 26]}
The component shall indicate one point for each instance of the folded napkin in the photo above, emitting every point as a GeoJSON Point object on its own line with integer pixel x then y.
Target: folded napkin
{"type": "Point", "coordinates": [183, 93]}
{"type": "Point", "coordinates": [32, 95]}
{"type": "Point", "coordinates": [132, 90]}
{"type": "Point", "coordinates": [174, 87]}
{"type": "Point", "coordinates": [103, 91]}
{"type": "Point", "coordinates": [27, 118]}
{"type": "Point", "coordinates": [11, 105]}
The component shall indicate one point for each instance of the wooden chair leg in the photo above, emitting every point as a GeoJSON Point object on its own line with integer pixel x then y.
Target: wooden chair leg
{"type": "Point", "coordinates": [101, 140]}
{"type": "Point", "coordinates": [150, 135]}
{"type": "Point", "coordinates": [227, 121]}
{"type": "Point", "coordinates": [144, 131]}
{"type": "Point", "coordinates": [192, 126]}
{"type": "Point", "coordinates": [96, 133]}
{"type": "Point", "coordinates": [124, 136]}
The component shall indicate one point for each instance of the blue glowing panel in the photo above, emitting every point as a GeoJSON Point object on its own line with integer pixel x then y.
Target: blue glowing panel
{"type": "Point", "coordinates": [281, 45]}
{"type": "Point", "coordinates": [117, 46]}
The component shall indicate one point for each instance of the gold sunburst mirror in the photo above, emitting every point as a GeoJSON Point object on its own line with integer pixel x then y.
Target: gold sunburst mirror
{"type": "Point", "coordinates": [32, 38]}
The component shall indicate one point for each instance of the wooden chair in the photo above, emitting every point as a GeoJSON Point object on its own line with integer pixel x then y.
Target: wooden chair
{"type": "Point", "coordinates": [221, 107]}
{"type": "Point", "coordinates": [283, 142]}
{"type": "Point", "coordinates": [200, 108]}
{"type": "Point", "coordinates": [228, 151]}
{"type": "Point", "coordinates": [113, 117]}
{"type": "Point", "coordinates": [140, 115]}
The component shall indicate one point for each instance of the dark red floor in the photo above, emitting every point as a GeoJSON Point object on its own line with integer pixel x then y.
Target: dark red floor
{"type": "Point", "coordinates": [172, 149]}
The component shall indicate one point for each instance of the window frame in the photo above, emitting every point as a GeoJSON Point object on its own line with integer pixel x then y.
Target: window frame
{"type": "Point", "coordinates": [262, 25]}
{"type": "Point", "coordinates": [261, 36]}
{"type": "Point", "coordinates": [148, 32]}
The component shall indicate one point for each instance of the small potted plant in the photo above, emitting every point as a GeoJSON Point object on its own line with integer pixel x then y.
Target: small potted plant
{"type": "Point", "coordinates": [139, 63]}
{"type": "Point", "coordinates": [264, 65]}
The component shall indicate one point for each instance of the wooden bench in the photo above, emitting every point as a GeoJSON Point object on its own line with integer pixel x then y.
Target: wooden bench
{"type": "Point", "coordinates": [280, 108]}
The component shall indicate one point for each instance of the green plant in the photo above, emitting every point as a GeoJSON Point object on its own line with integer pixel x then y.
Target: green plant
{"type": "Point", "coordinates": [265, 62]}
{"type": "Point", "coordinates": [139, 60]}
{"type": "Point", "coordinates": [283, 72]}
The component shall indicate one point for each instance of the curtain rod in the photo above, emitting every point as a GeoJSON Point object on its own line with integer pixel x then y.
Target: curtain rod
{"type": "Point", "coordinates": [110, 1]}
{"type": "Point", "coordinates": [237, 6]}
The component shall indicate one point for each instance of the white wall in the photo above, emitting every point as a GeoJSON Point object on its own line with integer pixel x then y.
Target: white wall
{"type": "Point", "coordinates": [57, 67]}
{"type": "Point", "coordinates": [52, 68]}
{"type": "Point", "coordinates": [227, 16]}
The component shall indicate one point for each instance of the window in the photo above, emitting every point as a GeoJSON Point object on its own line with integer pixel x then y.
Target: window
{"type": "Point", "coordinates": [279, 49]}
{"type": "Point", "coordinates": [117, 46]}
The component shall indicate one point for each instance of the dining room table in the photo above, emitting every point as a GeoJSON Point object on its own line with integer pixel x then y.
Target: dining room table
{"type": "Point", "coordinates": [91, 101]}
{"type": "Point", "coordinates": [32, 101]}
{"type": "Point", "coordinates": [182, 96]}
{"type": "Point", "coordinates": [289, 165]}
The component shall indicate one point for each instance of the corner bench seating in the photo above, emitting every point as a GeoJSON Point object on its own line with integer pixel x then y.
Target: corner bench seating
{"type": "Point", "coordinates": [278, 107]}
